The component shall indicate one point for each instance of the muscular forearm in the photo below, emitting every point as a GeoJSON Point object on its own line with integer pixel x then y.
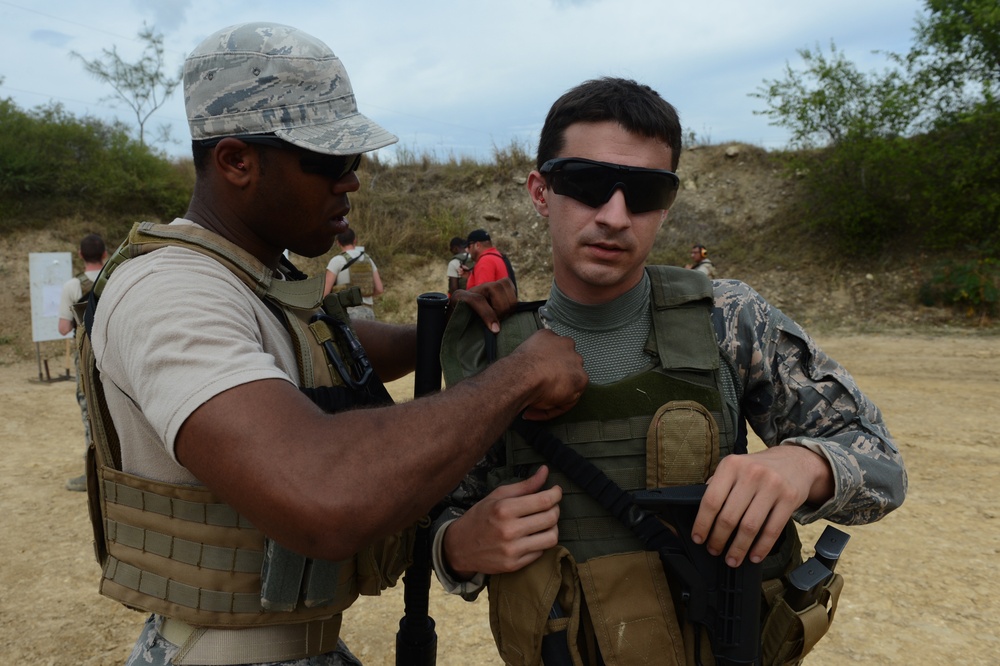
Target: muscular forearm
{"type": "Point", "coordinates": [392, 348]}
{"type": "Point", "coordinates": [326, 485]}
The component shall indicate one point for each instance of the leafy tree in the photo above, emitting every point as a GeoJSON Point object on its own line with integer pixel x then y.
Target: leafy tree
{"type": "Point", "coordinates": [144, 86]}
{"type": "Point", "coordinates": [955, 59]}
{"type": "Point", "coordinates": [907, 154]}
{"type": "Point", "coordinates": [831, 101]}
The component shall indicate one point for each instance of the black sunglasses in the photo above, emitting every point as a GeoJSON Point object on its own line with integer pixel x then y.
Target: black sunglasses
{"type": "Point", "coordinates": [330, 166]}
{"type": "Point", "coordinates": [593, 183]}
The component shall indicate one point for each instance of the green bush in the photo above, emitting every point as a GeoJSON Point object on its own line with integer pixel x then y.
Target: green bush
{"type": "Point", "coordinates": [972, 286]}
{"type": "Point", "coordinates": [937, 191]}
{"type": "Point", "coordinates": [54, 164]}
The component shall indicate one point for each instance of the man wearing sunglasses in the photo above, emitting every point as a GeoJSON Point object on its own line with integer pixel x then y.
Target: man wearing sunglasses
{"type": "Point", "coordinates": [236, 495]}
{"type": "Point", "coordinates": [678, 366]}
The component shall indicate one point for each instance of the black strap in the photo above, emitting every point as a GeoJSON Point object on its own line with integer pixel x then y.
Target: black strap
{"type": "Point", "coordinates": [653, 534]}
{"type": "Point", "coordinates": [353, 259]}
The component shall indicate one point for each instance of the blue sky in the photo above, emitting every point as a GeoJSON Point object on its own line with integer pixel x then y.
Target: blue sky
{"type": "Point", "coordinates": [458, 77]}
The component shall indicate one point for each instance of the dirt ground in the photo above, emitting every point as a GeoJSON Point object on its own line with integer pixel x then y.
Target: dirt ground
{"type": "Point", "coordinates": [921, 585]}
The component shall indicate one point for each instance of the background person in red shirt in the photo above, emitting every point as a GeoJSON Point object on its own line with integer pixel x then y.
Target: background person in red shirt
{"type": "Point", "coordinates": [490, 264]}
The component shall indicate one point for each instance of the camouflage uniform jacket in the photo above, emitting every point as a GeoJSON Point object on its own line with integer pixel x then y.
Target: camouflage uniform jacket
{"type": "Point", "coordinates": [792, 393]}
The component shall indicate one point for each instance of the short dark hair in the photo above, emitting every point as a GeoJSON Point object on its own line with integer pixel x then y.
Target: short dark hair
{"type": "Point", "coordinates": [347, 237]}
{"type": "Point", "coordinates": [92, 248]}
{"type": "Point", "coordinates": [457, 241]}
{"type": "Point", "coordinates": [636, 107]}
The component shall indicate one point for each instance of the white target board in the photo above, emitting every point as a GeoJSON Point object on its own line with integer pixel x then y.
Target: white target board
{"type": "Point", "coordinates": [48, 272]}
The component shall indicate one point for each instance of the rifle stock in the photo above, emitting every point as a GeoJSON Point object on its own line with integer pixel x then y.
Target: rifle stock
{"type": "Point", "coordinates": [730, 608]}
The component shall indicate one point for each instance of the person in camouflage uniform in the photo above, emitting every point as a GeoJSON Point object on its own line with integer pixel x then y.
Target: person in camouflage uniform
{"type": "Point", "coordinates": [248, 505]}
{"type": "Point", "coordinates": [829, 453]}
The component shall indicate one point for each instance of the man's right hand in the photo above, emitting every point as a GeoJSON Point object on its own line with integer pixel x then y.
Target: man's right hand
{"type": "Point", "coordinates": [558, 370]}
{"type": "Point", "coordinates": [505, 531]}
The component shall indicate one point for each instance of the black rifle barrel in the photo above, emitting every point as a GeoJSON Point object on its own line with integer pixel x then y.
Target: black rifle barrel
{"type": "Point", "coordinates": [416, 640]}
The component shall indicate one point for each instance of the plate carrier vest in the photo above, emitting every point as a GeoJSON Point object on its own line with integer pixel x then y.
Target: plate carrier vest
{"type": "Point", "coordinates": [668, 425]}
{"type": "Point", "coordinates": [360, 271]}
{"type": "Point", "coordinates": [177, 550]}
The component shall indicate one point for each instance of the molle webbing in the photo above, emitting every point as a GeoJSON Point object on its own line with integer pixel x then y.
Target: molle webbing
{"type": "Point", "coordinates": [179, 551]}
{"type": "Point", "coordinates": [611, 422]}
{"type": "Point", "coordinates": [609, 427]}
{"type": "Point", "coordinates": [360, 269]}
{"type": "Point", "coordinates": [207, 557]}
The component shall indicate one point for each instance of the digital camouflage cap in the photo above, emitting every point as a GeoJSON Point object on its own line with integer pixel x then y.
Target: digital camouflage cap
{"type": "Point", "coordinates": [261, 78]}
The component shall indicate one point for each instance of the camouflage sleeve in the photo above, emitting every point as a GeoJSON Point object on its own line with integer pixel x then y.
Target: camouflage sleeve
{"type": "Point", "coordinates": [469, 491]}
{"type": "Point", "coordinates": [793, 393]}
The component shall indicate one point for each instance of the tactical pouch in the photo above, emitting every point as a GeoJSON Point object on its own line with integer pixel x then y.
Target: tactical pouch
{"type": "Point", "coordinates": [522, 601]}
{"type": "Point", "coordinates": [381, 564]}
{"type": "Point", "coordinates": [790, 635]}
{"type": "Point", "coordinates": [622, 602]}
{"type": "Point", "coordinates": [629, 603]}
{"type": "Point", "coordinates": [682, 445]}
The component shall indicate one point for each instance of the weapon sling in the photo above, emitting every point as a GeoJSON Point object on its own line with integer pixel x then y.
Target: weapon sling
{"type": "Point", "coordinates": [657, 537]}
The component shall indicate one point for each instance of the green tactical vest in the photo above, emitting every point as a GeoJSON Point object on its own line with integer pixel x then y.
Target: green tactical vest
{"type": "Point", "coordinates": [181, 552]}
{"type": "Point", "coordinates": [667, 425]}
{"type": "Point", "coordinates": [689, 390]}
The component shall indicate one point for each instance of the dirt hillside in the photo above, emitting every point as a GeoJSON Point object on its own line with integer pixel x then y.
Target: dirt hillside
{"type": "Point", "coordinates": [735, 199]}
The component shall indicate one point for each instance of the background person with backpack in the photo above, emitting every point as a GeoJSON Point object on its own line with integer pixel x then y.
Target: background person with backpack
{"type": "Point", "coordinates": [491, 264]}
{"type": "Point", "coordinates": [460, 264]}
{"type": "Point", "coordinates": [76, 290]}
{"type": "Point", "coordinates": [354, 267]}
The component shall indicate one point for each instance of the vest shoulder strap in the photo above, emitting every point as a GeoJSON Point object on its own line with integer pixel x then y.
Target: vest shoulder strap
{"type": "Point", "coordinates": [682, 318]}
{"type": "Point", "coordinates": [86, 285]}
{"type": "Point", "coordinates": [351, 260]}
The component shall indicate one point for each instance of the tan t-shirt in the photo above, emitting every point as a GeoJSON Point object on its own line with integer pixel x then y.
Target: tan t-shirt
{"type": "Point", "coordinates": [173, 329]}
{"type": "Point", "coordinates": [72, 292]}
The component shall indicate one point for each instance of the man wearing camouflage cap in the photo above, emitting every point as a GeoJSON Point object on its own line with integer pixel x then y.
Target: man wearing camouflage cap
{"type": "Point", "coordinates": [236, 495]}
